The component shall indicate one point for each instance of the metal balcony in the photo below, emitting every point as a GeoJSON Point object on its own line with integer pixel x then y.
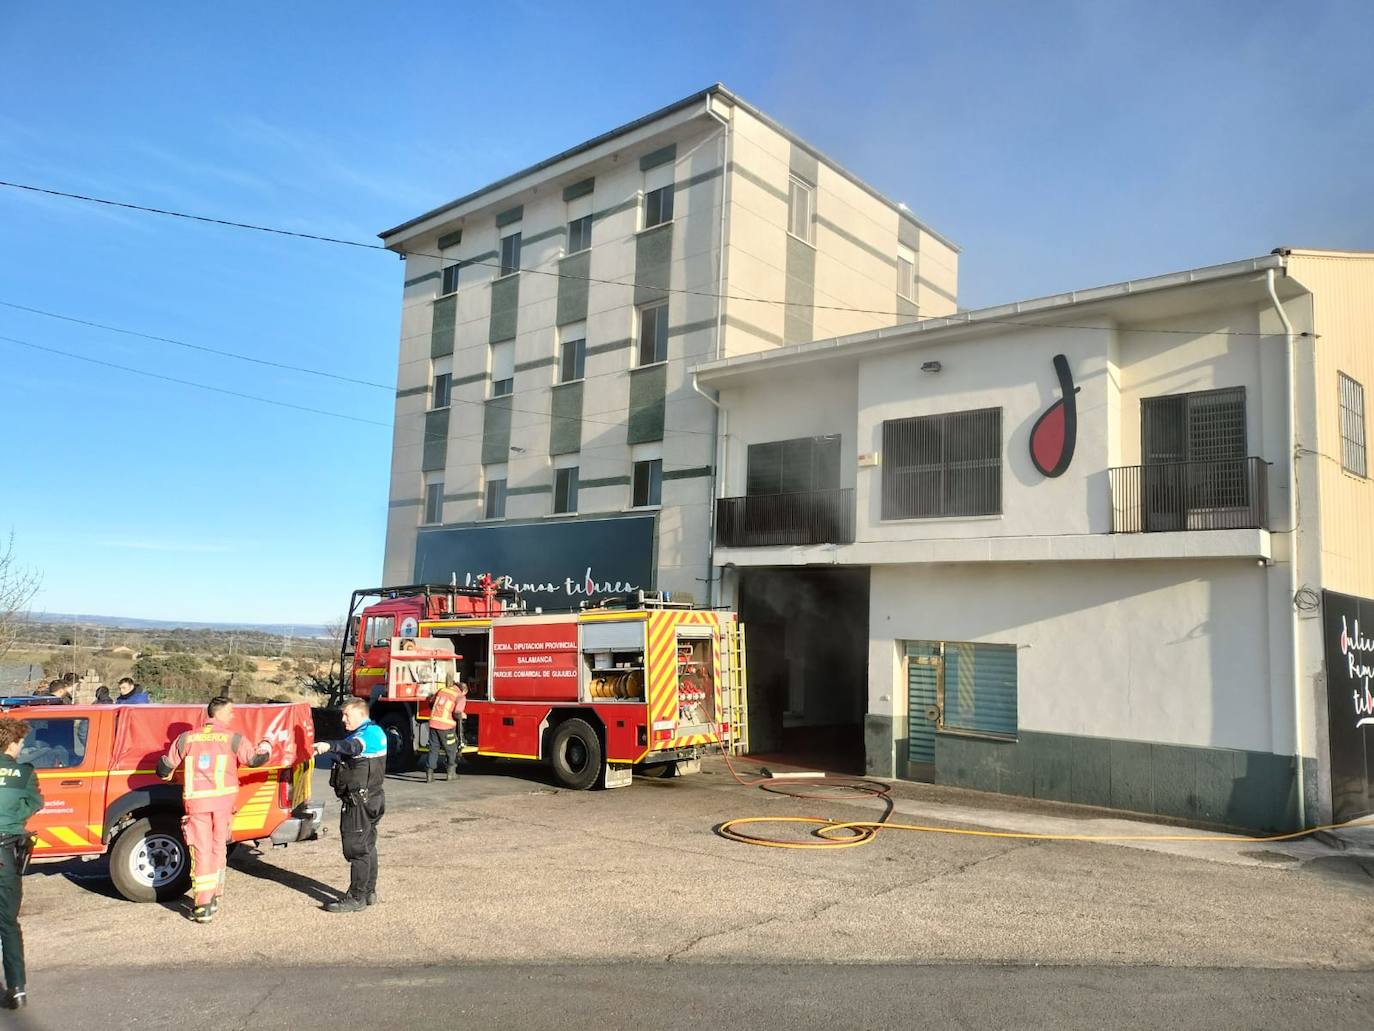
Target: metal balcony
{"type": "Point", "coordinates": [1227, 495]}
{"type": "Point", "coordinates": [761, 520]}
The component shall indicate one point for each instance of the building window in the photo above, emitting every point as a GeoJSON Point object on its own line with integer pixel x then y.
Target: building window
{"type": "Point", "coordinates": [443, 387]}
{"type": "Point", "coordinates": [943, 465]}
{"type": "Point", "coordinates": [565, 490]}
{"type": "Point", "coordinates": [496, 499]}
{"type": "Point", "coordinates": [579, 234]}
{"type": "Point", "coordinates": [434, 502]}
{"type": "Point", "coordinates": [797, 466]}
{"type": "Point", "coordinates": [502, 368]}
{"type": "Point", "coordinates": [572, 353]}
{"type": "Point", "coordinates": [451, 279]}
{"type": "Point", "coordinates": [648, 483]}
{"type": "Point", "coordinates": [510, 254]}
{"type": "Point", "coordinates": [970, 688]}
{"type": "Point", "coordinates": [801, 210]}
{"type": "Point", "coordinates": [1352, 426]}
{"type": "Point", "coordinates": [906, 273]}
{"type": "Point", "coordinates": [658, 206]}
{"type": "Point", "coordinates": [1193, 449]}
{"type": "Point", "coordinates": [653, 334]}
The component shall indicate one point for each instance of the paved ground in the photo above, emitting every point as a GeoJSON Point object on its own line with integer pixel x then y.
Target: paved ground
{"type": "Point", "coordinates": [537, 878]}
{"type": "Point", "coordinates": [619, 997]}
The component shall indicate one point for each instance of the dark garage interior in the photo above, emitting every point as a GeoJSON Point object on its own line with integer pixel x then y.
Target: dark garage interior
{"type": "Point", "coordinates": [807, 638]}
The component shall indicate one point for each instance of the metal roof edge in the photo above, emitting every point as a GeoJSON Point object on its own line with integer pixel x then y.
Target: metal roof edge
{"type": "Point", "coordinates": [714, 89]}
{"type": "Point", "coordinates": [628, 127]}
{"type": "Point", "coordinates": [859, 343]}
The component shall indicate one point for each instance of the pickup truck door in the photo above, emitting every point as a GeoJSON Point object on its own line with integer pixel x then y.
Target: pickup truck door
{"type": "Point", "coordinates": [69, 754]}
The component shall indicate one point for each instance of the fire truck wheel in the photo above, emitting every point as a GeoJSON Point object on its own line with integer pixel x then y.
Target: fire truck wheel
{"type": "Point", "coordinates": [575, 754]}
{"type": "Point", "coordinates": [400, 749]}
{"type": "Point", "coordinates": [149, 861]}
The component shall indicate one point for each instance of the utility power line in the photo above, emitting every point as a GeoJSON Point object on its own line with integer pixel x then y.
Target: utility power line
{"type": "Point", "coordinates": [363, 245]}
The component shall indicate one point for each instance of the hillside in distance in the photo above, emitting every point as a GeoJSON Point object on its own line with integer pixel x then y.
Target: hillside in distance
{"type": "Point", "coordinates": [135, 623]}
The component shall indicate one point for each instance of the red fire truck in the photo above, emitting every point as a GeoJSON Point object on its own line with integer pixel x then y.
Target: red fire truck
{"type": "Point", "coordinates": [594, 693]}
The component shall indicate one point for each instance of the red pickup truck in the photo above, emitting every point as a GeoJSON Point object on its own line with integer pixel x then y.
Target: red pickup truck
{"type": "Point", "coordinates": [96, 771]}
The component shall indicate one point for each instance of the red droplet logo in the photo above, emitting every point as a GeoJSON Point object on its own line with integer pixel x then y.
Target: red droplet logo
{"type": "Point", "coordinates": [1055, 433]}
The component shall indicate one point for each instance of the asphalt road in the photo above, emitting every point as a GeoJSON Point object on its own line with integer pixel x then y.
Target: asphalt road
{"type": "Point", "coordinates": [626, 909]}
{"type": "Point", "coordinates": [667, 997]}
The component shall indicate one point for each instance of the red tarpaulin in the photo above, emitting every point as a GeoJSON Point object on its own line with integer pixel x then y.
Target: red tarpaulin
{"type": "Point", "coordinates": [145, 732]}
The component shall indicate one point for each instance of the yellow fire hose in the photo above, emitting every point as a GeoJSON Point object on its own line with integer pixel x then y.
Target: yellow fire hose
{"type": "Point", "coordinates": [829, 833]}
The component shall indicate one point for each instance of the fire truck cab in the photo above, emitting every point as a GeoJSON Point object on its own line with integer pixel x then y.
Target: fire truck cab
{"type": "Point", "coordinates": [595, 693]}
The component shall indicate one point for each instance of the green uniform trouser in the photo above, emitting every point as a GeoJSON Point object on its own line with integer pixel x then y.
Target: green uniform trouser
{"type": "Point", "coordinates": [11, 894]}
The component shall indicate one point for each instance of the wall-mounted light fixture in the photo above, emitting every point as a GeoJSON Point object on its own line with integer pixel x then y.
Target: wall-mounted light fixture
{"type": "Point", "coordinates": [931, 366]}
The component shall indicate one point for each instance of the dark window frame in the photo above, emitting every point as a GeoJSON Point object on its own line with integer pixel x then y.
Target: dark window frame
{"type": "Point", "coordinates": [646, 490]}
{"type": "Point", "coordinates": [657, 350]}
{"type": "Point", "coordinates": [510, 255]}
{"type": "Point", "coordinates": [450, 279]}
{"type": "Point", "coordinates": [565, 490]}
{"type": "Point", "coordinates": [658, 206]}
{"type": "Point", "coordinates": [797, 189]}
{"type": "Point", "coordinates": [572, 360]}
{"type": "Point", "coordinates": [494, 506]}
{"type": "Point", "coordinates": [442, 394]}
{"type": "Point", "coordinates": [434, 503]}
{"type": "Point", "coordinates": [799, 465]}
{"type": "Point", "coordinates": [579, 235]}
{"type": "Point", "coordinates": [1354, 440]}
{"type": "Point", "coordinates": [946, 465]}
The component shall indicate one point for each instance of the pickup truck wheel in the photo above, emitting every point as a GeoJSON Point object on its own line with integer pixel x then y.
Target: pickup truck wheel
{"type": "Point", "coordinates": [575, 754]}
{"type": "Point", "coordinates": [150, 861]}
{"type": "Point", "coordinates": [400, 748]}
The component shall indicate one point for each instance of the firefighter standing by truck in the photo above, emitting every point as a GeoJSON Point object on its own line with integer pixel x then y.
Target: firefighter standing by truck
{"type": "Point", "coordinates": [445, 722]}
{"type": "Point", "coordinates": [212, 756]}
{"type": "Point", "coordinates": [358, 777]}
{"type": "Point", "coordinates": [19, 799]}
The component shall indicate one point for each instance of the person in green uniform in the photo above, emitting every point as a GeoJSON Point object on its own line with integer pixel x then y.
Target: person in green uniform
{"type": "Point", "coordinates": [19, 799]}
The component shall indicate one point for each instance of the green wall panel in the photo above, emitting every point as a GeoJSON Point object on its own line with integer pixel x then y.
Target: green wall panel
{"type": "Point", "coordinates": [441, 334]}
{"type": "Point", "coordinates": [572, 287]}
{"type": "Point", "coordinates": [436, 441]}
{"type": "Point", "coordinates": [496, 431]}
{"type": "Point", "coordinates": [798, 318]}
{"type": "Point", "coordinates": [653, 264]}
{"type": "Point", "coordinates": [565, 421]}
{"type": "Point", "coordinates": [505, 304]}
{"type": "Point", "coordinates": [648, 395]}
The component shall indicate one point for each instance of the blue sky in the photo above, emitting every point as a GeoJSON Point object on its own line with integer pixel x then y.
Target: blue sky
{"type": "Point", "coordinates": [1061, 145]}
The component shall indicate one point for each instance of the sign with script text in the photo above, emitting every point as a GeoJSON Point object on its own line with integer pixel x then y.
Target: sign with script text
{"type": "Point", "coordinates": [534, 661]}
{"type": "Point", "coordinates": [1348, 636]}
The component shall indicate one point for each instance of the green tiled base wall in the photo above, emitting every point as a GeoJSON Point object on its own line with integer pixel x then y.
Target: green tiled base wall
{"type": "Point", "coordinates": [1237, 788]}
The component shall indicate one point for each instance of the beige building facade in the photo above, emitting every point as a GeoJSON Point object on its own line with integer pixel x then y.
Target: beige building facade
{"type": "Point", "coordinates": [1151, 602]}
{"type": "Point", "coordinates": [547, 427]}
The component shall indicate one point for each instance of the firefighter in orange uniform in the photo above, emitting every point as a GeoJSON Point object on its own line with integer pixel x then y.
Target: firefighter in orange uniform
{"type": "Point", "coordinates": [445, 717]}
{"type": "Point", "coordinates": [212, 756]}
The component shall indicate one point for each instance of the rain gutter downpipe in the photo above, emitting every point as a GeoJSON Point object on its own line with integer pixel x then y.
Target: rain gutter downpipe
{"type": "Point", "coordinates": [1296, 672]}
{"type": "Point", "coordinates": [721, 419]}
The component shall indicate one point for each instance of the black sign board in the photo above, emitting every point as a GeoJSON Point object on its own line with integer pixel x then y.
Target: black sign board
{"type": "Point", "coordinates": [554, 565]}
{"type": "Point", "coordinates": [1348, 635]}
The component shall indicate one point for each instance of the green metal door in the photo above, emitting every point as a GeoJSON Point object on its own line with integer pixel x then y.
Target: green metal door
{"type": "Point", "coordinates": [923, 668]}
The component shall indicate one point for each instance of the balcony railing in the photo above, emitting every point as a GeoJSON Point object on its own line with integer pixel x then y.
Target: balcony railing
{"type": "Point", "coordinates": [1226, 495]}
{"type": "Point", "coordinates": [812, 517]}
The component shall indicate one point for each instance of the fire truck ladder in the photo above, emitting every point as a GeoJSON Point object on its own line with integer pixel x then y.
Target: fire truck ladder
{"type": "Point", "coordinates": [734, 687]}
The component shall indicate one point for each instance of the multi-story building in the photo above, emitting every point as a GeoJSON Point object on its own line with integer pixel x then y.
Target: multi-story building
{"type": "Point", "coordinates": [547, 425]}
{"type": "Point", "coordinates": [1109, 547]}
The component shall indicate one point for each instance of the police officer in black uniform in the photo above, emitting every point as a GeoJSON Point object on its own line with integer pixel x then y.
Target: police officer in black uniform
{"type": "Point", "coordinates": [19, 799]}
{"type": "Point", "coordinates": [358, 778]}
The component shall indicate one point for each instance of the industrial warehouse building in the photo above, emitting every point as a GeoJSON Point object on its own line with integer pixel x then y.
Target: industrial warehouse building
{"type": "Point", "coordinates": [1061, 532]}
{"type": "Point", "coordinates": [1047, 548]}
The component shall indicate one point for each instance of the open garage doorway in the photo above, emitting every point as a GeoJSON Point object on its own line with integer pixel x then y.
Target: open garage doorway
{"type": "Point", "coordinates": [807, 637]}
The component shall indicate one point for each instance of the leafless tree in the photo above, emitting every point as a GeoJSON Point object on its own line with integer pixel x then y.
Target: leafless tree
{"type": "Point", "coordinates": [18, 584]}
